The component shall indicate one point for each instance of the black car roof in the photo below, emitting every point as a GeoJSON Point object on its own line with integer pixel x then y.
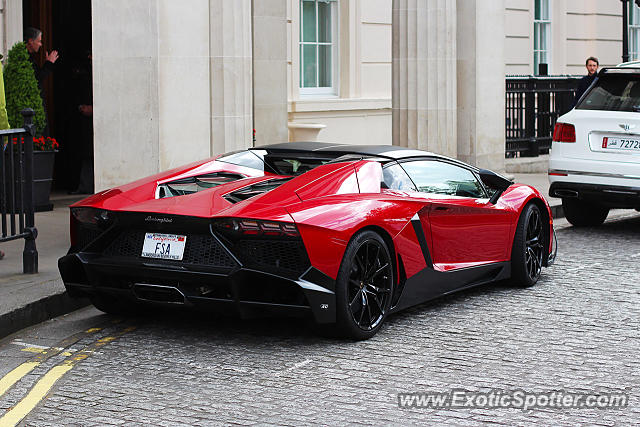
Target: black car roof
{"type": "Point", "coordinates": [388, 151]}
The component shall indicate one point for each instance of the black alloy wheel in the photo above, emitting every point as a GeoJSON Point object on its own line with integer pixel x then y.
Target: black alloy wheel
{"type": "Point", "coordinates": [365, 286]}
{"type": "Point", "coordinates": [534, 245]}
{"type": "Point", "coordinates": [528, 247]}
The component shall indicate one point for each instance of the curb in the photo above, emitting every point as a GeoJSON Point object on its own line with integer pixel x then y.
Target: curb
{"type": "Point", "coordinates": [39, 311]}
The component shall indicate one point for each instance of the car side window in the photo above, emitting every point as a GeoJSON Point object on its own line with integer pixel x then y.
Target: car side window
{"type": "Point", "coordinates": [395, 178]}
{"type": "Point", "coordinates": [437, 177]}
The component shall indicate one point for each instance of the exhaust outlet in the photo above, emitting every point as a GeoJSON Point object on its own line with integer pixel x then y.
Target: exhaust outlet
{"type": "Point", "coordinates": [566, 193]}
{"type": "Point", "coordinates": [158, 293]}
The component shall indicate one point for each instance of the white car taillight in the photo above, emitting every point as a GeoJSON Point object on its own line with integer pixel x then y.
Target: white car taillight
{"type": "Point", "coordinates": [564, 132]}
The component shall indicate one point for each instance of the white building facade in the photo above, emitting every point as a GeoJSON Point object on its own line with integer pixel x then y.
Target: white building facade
{"type": "Point", "coordinates": [173, 84]}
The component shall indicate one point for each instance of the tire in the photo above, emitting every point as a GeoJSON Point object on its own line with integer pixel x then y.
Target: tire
{"type": "Point", "coordinates": [364, 287]}
{"type": "Point", "coordinates": [528, 247]}
{"type": "Point", "coordinates": [112, 305]}
{"type": "Point", "coordinates": [584, 214]}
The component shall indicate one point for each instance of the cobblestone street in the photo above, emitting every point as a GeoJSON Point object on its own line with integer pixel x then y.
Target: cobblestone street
{"type": "Point", "coordinates": [576, 330]}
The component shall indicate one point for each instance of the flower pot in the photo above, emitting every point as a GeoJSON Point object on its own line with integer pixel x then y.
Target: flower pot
{"type": "Point", "coordinates": [42, 178]}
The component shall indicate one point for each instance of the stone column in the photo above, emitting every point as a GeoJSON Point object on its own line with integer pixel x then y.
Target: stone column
{"type": "Point", "coordinates": [424, 70]}
{"type": "Point", "coordinates": [172, 84]}
{"type": "Point", "coordinates": [11, 24]}
{"type": "Point", "coordinates": [270, 71]}
{"type": "Point", "coordinates": [184, 104]}
{"type": "Point", "coordinates": [231, 75]}
{"type": "Point", "coordinates": [125, 90]}
{"type": "Point", "coordinates": [481, 83]}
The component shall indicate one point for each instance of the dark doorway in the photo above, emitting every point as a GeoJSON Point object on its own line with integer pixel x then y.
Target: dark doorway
{"type": "Point", "coordinates": [66, 27]}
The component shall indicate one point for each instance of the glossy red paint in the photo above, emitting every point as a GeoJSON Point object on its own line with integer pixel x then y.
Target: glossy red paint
{"type": "Point", "coordinates": [144, 189]}
{"type": "Point", "coordinates": [468, 231]}
{"type": "Point", "coordinates": [330, 203]}
{"type": "Point", "coordinates": [343, 181]}
{"type": "Point", "coordinates": [516, 198]}
{"type": "Point", "coordinates": [325, 223]}
{"type": "Point", "coordinates": [409, 251]}
{"type": "Point", "coordinates": [203, 204]}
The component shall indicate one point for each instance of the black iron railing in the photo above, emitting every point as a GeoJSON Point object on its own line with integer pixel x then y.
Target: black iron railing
{"type": "Point", "coordinates": [533, 104]}
{"type": "Point", "coordinates": [17, 220]}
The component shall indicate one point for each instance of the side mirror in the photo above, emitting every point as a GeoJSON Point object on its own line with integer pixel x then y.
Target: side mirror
{"type": "Point", "coordinates": [495, 181]}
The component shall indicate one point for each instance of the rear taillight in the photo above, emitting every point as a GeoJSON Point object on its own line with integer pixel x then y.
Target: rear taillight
{"type": "Point", "coordinates": [564, 132]}
{"type": "Point", "coordinates": [81, 217]}
{"type": "Point", "coordinates": [252, 227]}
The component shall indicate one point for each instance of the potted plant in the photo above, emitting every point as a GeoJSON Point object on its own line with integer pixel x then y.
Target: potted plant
{"type": "Point", "coordinates": [21, 88]}
{"type": "Point", "coordinates": [21, 91]}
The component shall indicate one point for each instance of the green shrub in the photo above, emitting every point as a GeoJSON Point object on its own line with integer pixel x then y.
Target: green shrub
{"type": "Point", "coordinates": [21, 88]}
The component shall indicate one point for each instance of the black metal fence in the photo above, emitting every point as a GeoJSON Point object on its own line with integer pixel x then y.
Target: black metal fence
{"type": "Point", "coordinates": [533, 104]}
{"type": "Point", "coordinates": [17, 220]}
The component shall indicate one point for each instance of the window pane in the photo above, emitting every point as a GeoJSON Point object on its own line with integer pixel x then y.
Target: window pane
{"type": "Point", "coordinates": [395, 178]}
{"type": "Point", "coordinates": [324, 66]}
{"type": "Point", "coordinates": [324, 22]}
{"type": "Point", "coordinates": [308, 21]}
{"type": "Point", "coordinates": [443, 178]}
{"type": "Point", "coordinates": [537, 8]}
{"type": "Point", "coordinates": [544, 34]}
{"type": "Point", "coordinates": [544, 13]}
{"type": "Point", "coordinates": [536, 36]}
{"type": "Point", "coordinates": [310, 66]}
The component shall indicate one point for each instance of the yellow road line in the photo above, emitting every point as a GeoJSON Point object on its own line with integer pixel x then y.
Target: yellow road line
{"type": "Point", "coordinates": [42, 355]}
{"type": "Point", "coordinates": [37, 393]}
{"type": "Point", "coordinates": [33, 350]}
{"type": "Point", "coordinates": [16, 414]}
{"type": "Point", "coordinates": [15, 375]}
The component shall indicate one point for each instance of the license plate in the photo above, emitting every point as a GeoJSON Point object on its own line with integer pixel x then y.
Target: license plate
{"type": "Point", "coordinates": [626, 144]}
{"type": "Point", "coordinates": [163, 246]}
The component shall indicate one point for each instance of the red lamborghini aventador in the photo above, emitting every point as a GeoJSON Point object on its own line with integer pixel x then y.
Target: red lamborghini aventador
{"type": "Point", "coordinates": [345, 234]}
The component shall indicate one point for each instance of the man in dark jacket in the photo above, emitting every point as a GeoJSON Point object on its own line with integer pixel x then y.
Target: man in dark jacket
{"type": "Point", "coordinates": [33, 41]}
{"type": "Point", "coordinates": [592, 71]}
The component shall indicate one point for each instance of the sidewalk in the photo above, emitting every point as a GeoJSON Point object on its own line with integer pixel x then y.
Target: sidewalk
{"type": "Point", "coordinates": [28, 299]}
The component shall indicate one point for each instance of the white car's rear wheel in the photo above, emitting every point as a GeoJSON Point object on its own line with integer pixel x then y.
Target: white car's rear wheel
{"type": "Point", "coordinates": [584, 214]}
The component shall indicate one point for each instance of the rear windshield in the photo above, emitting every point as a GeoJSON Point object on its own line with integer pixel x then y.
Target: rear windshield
{"type": "Point", "coordinates": [614, 92]}
{"type": "Point", "coordinates": [292, 163]}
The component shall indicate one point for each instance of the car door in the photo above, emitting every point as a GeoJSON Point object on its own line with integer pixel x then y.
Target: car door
{"type": "Point", "coordinates": [466, 229]}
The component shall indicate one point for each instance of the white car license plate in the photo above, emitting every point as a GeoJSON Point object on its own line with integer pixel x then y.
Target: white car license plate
{"type": "Point", "coordinates": [163, 246]}
{"type": "Point", "coordinates": [627, 144]}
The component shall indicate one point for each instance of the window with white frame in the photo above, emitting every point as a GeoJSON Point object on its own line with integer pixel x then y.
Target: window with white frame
{"type": "Point", "coordinates": [541, 34]}
{"type": "Point", "coordinates": [318, 47]}
{"type": "Point", "coordinates": [634, 31]}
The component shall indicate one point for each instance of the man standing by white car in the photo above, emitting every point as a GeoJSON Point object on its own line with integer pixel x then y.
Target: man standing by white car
{"type": "Point", "coordinates": [592, 64]}
{"type": "Point", "coordinates": [594, 161]}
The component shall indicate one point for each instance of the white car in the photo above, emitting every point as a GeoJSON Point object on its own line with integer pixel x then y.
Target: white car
{"type": "Point", "coordinates": [594, 162]}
